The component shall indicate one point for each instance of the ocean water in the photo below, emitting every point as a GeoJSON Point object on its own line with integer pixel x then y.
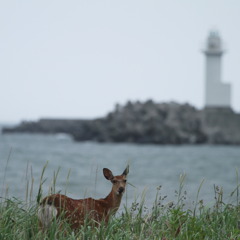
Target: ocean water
{"type": "Point", "coordinates": [79, 166]}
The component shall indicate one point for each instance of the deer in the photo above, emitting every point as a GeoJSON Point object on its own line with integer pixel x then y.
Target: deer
{"type": "Point", "coordinates": [75, 211]}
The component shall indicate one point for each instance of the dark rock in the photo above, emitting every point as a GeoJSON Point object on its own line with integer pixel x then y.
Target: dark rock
{"type": "Point", "coordinates": [148, 122]}
{"type": "Point", "coordinates": [222, 125]}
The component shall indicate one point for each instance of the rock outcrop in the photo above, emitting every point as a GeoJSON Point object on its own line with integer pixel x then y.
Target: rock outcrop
{"type": "Point", "coordinates": [148, 122]}
{"type": "Point", "coordinates": [222, 125]}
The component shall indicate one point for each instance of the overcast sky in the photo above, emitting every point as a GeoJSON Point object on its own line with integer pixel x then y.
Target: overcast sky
{"type": "Point", "coordinates": [77, 59]}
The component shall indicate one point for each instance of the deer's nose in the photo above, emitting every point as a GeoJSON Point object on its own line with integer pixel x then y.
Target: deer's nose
{"type": "Point", "coordinates": [121, 190]}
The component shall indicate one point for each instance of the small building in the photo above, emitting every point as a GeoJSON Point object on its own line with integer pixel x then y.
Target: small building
{"type": "Point", "coordinates": [217, 93]}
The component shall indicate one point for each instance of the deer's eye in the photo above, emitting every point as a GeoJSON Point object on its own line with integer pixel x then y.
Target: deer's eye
{"type": "Point", "coordinates": [125, 181]}
{"type": "Point", "coordinates": [114, 181]}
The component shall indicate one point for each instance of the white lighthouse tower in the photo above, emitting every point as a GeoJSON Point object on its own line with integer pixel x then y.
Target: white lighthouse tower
{"type": "Point", "coordinates": [217, 94]}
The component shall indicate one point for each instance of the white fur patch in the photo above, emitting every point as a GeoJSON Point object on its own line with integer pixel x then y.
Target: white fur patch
{"type": "Point", "coordinates": [46, 213]}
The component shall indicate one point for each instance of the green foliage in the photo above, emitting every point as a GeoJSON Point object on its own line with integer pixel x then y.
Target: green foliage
{"type": "Point", "coordinates": [18, 220]}
{"type": "Point", "coordinates": [164, 220]}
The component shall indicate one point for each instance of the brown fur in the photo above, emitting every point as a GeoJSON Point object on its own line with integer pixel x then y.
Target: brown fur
{"type": "Point", "coordinates": [76, 211]}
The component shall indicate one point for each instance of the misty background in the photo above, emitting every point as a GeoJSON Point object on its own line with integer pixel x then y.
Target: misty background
{"type": "Point", "coordinates": [77, 59]}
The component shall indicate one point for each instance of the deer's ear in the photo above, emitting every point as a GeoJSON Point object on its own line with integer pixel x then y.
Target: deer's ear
{"type": "Point", "coordinates": [126, 171]}
{"type": "Point", "coordinates": [107, 174]}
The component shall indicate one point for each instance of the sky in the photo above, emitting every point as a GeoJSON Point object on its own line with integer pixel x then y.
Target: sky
{"type": "Point", "coordinates": [77, 59]}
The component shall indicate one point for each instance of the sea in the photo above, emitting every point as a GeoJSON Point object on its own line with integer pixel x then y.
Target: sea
{"type": "Point", "coordinates": [56, 163]}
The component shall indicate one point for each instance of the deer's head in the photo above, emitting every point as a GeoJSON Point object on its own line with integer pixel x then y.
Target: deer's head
{"type": "Point", "coordinates": [119, 182]}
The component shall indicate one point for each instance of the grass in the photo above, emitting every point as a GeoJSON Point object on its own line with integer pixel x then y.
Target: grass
{"type": "Point", "coordinates": [163, 220]}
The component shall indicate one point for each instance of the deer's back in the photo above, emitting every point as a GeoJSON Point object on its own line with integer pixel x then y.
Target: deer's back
{"type": "Point", "coordinates": [75, 211]}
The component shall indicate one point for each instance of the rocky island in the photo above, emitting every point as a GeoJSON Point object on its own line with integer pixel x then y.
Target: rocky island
{"type": "Point", "coordinates": [147, 122]}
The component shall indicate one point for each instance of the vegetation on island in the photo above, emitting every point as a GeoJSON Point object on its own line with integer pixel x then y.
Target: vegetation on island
{"type": "Point", "coordinates": [163, 220]}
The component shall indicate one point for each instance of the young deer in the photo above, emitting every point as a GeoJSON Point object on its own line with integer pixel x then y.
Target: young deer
{"type": "Point", "coordinates": [75, 211]}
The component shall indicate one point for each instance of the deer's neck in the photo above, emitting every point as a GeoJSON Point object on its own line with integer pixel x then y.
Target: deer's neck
{"type": "Point", "coordinates": [113, 201]}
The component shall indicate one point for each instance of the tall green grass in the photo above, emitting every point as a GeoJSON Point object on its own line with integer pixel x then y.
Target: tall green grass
{"type": "Point", "coordinates": [163, 220]}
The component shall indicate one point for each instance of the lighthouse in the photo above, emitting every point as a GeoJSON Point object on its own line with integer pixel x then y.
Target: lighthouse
{"type": "Point", "coordinates": [217, 93]}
